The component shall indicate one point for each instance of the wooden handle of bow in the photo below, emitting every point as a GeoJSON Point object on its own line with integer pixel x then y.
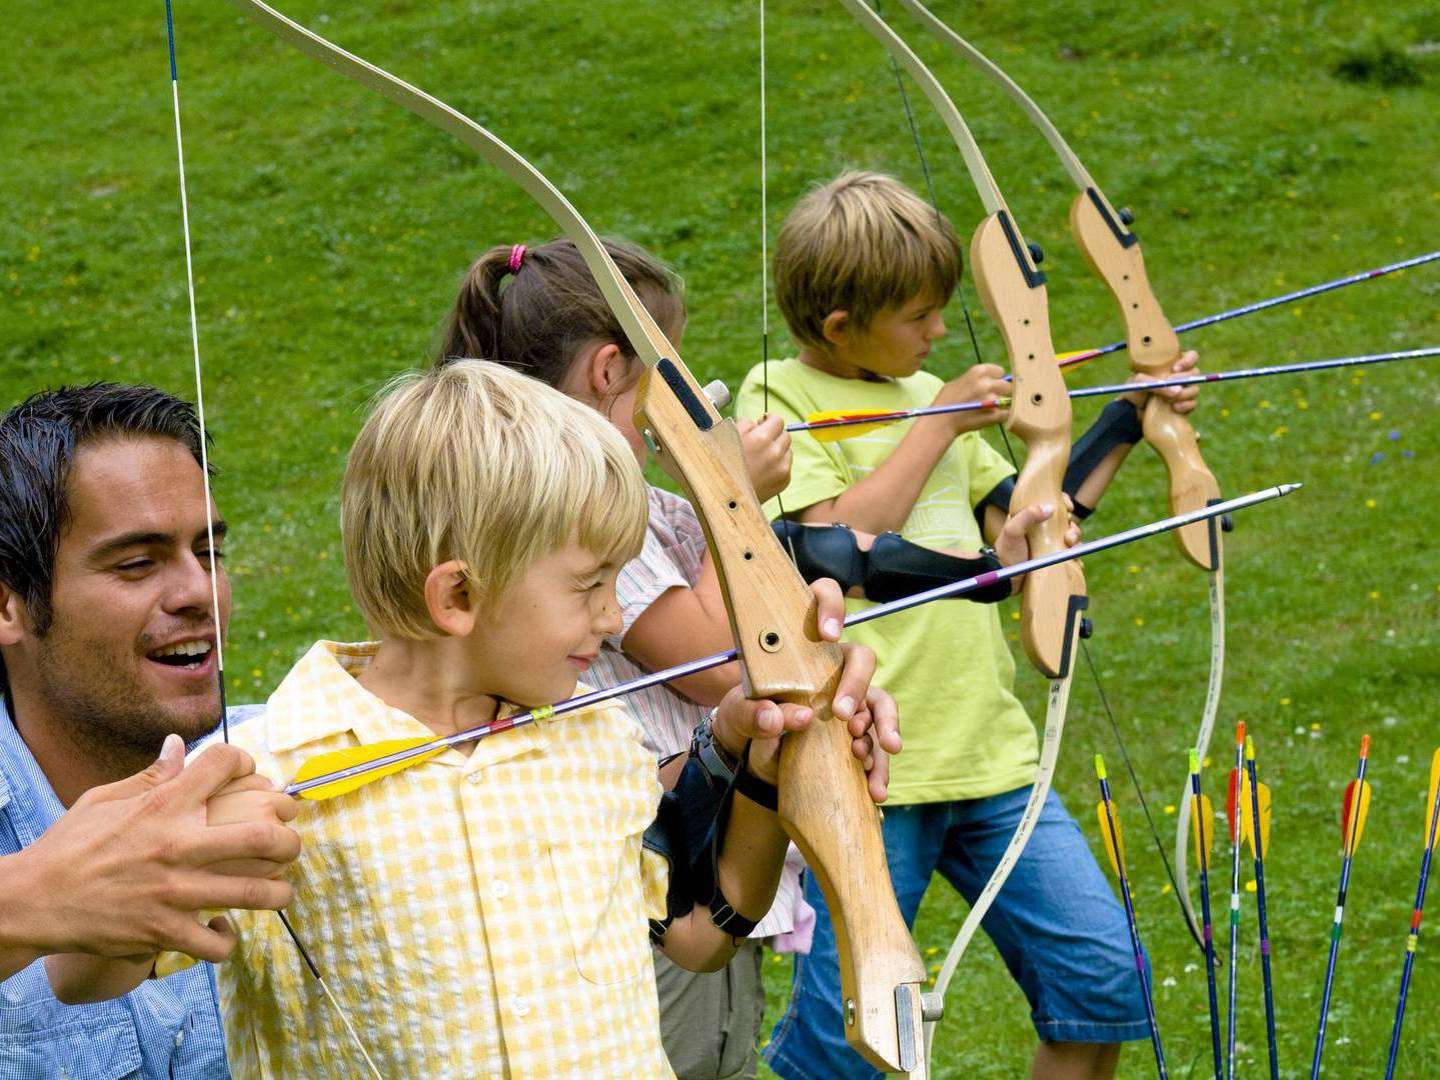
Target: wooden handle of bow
{"type": "Point", "coordinates": [1040, 415]}
{"type": "Point", "coordinates": [825, 802]}
{"type": "Point", "coordinates": [1114, 254]}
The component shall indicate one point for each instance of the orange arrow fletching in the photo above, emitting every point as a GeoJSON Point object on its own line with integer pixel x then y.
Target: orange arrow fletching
{"type": "Point", "coordinates": [1114, 841]}
{"type": "Point", "coordinates": [1202, 829]}
{"type": "Point", "coordinates": [1431, 837]}
{"type": "Point", "coordinates": [336, 760]}
{"type": "Point", "coordinates": [1353, 812]}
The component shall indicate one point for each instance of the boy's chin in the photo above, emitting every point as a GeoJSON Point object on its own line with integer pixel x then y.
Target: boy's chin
{"type": "Point", "coordinates": [533, 694]}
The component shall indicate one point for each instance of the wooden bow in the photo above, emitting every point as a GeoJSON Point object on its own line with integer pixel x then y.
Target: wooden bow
{"type": "Point", "coordinates": [1112, 250]}
{"type": "Point", "coordinates": [824, 801]}
{"type": "Point", "coordinates": [1012, 288]}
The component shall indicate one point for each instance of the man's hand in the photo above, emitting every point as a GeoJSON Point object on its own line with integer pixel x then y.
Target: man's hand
{"type": "Point", "coordinates": [1183, 399]}
{"type": "Point", "coordinates": [125, 870]}
{"type": "Point", "coordinates": [869, 712]}
{"type": "Point", "coordinates": [983, 382]}
{"type": "Point", "coordinates": [767, 454]}
{"type": "Point", "coordinates": [251, 799]}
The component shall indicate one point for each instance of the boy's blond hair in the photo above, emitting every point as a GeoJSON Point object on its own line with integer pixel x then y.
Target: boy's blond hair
{"type": "Point", "coordinates": [476, 462]}
{"type": "Point", "coordinates": [859, 244]}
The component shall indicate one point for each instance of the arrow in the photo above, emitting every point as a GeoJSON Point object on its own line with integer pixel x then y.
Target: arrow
{"type": "Point", "coordinates": [1233, 818]}
{"type": "Point", "coordinates": [1202, 826]}
{"type": "Point", "coordinates": [1259, 820]}
{"type": "Point", "coordinates": [1354, 808]}
{"type": "Point", "coordinates": [337, 772]}
{"type": "Point", "coordinates": [1412, 942]}
{"type": "Point", "coordinates": [1264, 305]}
{"type": "Point", "coordinates": [839, 424]}
{"type": "Point", "coordinates": [1115, 848]}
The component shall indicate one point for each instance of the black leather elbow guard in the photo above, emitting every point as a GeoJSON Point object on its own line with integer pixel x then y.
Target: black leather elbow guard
{"type": "Point", "coordinates": [685, 830]}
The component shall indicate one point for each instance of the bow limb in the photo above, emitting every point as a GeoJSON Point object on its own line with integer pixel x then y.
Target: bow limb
{"type": "Point", "coordinates": [824, 801]}
{"type": "Point", "coordinates": [1112, 250]}
{"type": "Point", "coordinates": [1012, 289]}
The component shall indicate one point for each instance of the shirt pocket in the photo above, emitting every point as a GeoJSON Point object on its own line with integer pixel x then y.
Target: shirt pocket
{"type": "Point", "coordinates": [604, 907]}
{"type": "Point", "coordinates": [41, 1039]}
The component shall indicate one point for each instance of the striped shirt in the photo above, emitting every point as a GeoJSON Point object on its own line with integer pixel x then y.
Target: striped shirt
{"type": "Point", "coordinates": [475, 915]}
{"type": "Point", "coordinates": [671, 558]}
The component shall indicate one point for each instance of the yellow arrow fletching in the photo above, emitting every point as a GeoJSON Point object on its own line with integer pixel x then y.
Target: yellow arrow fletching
{"type": "Point", "coordinates": [1430, 802]}
{"type": "Point", "coordinates": [1114, 841]}
{"type": "Point", "coordinates": [844, 431]}
{"type": "Point", "coordinates": [1068, 365]}
{"type": "Point", "coordinates": [1202, 829]}
{"type": "Point", "coordinates": [335, 760]}
{"type": "Point", "coordinates": [1247, 817]}
{"type": "Point", "coordinates": [1353, 812]}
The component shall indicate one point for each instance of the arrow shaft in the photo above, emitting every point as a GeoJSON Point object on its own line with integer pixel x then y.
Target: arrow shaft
{"type": "Point", "coordinates": [705, 663]}
{"type": "Point", "coordinates": [1298, 368]}
{"type": "Point", "coordinates": [1412, 940]}
{"type": "Point", "coordinates": [1236, 841]}
{"type": "Point", "coordinates": [1141, 971]}
{"type": "Point", "coordinates": [1271, 302]}
{"type": "Point", "coordinates": [1347, 860]}
{"type": "Point", "coordinates": [1207, 926]}
{"type": "Point", "coordinates": [1266, 976]}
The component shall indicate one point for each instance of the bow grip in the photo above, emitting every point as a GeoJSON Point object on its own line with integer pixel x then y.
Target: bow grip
{"type": "Point", "coordinates": [1040, 415]}
{"type": "Point", "coordinates": [1154, 348]}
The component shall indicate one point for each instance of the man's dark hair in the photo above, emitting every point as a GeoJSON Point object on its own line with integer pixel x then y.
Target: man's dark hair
{"type": "Point", "coordinates": [38, 441]}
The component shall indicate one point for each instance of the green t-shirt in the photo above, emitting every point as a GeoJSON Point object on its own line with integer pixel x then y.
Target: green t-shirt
{"type": "Point", "coordinates": [966, 734]}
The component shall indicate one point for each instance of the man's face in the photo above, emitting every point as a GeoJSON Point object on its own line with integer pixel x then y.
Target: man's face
{"type": "Point", "coordinates": [130, 654]}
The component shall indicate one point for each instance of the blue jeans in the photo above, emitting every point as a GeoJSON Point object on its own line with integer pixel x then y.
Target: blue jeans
{"type": "Point", "coordinates": [1056, 923]}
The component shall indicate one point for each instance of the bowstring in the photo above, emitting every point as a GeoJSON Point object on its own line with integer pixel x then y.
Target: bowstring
{"type": "Point", "coordinates": [1014, 461]}
{"type": "Point", "coordinates": [209, 515]}
{"type": "Point", "coordinates": [765, 268]}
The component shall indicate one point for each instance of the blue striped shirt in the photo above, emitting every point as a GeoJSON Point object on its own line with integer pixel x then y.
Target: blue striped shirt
{"type": "Point", "coordinates": [168, 1029]}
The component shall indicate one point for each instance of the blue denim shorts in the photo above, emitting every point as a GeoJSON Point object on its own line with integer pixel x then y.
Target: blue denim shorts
{"type": "Point", "coordinates": [1057, 924]}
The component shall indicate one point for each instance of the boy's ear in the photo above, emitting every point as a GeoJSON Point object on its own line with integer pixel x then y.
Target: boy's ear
{"type": "Point", "coordinates": [450, 599]}
{"type": "Point", "coordinates": [836, 327]}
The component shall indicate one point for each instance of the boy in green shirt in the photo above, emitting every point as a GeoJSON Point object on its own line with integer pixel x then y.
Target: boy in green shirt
{"type": "Point", "coordinates": [863, 269]}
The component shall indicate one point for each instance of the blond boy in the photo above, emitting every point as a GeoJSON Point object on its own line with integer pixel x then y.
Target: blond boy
{"type": "Point", "coordinates": [485, 912]}
{"type": "Point", "coordinates": [863, 270]}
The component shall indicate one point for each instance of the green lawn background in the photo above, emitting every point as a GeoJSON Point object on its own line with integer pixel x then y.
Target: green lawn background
{"type": "Point", "coordinates": [1263, 147]}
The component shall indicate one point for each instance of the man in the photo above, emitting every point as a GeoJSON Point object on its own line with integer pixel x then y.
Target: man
{"type": "Point", "coordinates": [107, 646]}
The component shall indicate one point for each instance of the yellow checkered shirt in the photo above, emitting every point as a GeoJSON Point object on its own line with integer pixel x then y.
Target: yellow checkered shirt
{"type": "Point", "coordinates": [477, 916]}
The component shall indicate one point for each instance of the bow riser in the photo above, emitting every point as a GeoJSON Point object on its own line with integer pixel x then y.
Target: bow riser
{"type": "Point", "coordinates": [1114, 254]}
{"type": "Point", "coordinates": [825, 804]}
{"type": "Point", "coordinates": [1013, 293]}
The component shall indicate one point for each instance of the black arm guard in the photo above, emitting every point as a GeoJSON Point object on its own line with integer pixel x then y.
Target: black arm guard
{"type": "Point", "coordinates": [823, 551]}
{"type": "Point", "coordinates": [1117, 425]}
{"type": "Point", "coordinates": [899, 568]}
{"type": "Point", "coordinates": [691, 819]}
{"type": "Point", "coordinates": [891, 569]}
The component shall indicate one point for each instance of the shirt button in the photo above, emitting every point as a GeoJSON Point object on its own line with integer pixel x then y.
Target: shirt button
{"type": "Point", "coordinates": [521, 1007]}
{"type": "Point", "coordinates": [179, 1039]}
{"type": "Point", "coordinates": [500, 889]}
{"type": "Point", "coordinates": [474, 778]}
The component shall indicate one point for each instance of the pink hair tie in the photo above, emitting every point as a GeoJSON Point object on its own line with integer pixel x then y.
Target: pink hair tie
{"type": "Point", "coordinates": [517, 258]}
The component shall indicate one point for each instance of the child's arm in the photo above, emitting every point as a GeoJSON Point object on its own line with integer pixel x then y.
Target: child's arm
{"type": "Point", "coordinates": [882, 501]}
{"type": "Point", "coordinates": [1087, 481]}
{"type": "Point", "coordinates": [78, 979]}
{"type": "Point", "coordinates": [683, 623]}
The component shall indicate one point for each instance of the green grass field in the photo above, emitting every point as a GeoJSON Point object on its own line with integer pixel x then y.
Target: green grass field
{"type": "Point", "coordinates": [1262, 146]}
